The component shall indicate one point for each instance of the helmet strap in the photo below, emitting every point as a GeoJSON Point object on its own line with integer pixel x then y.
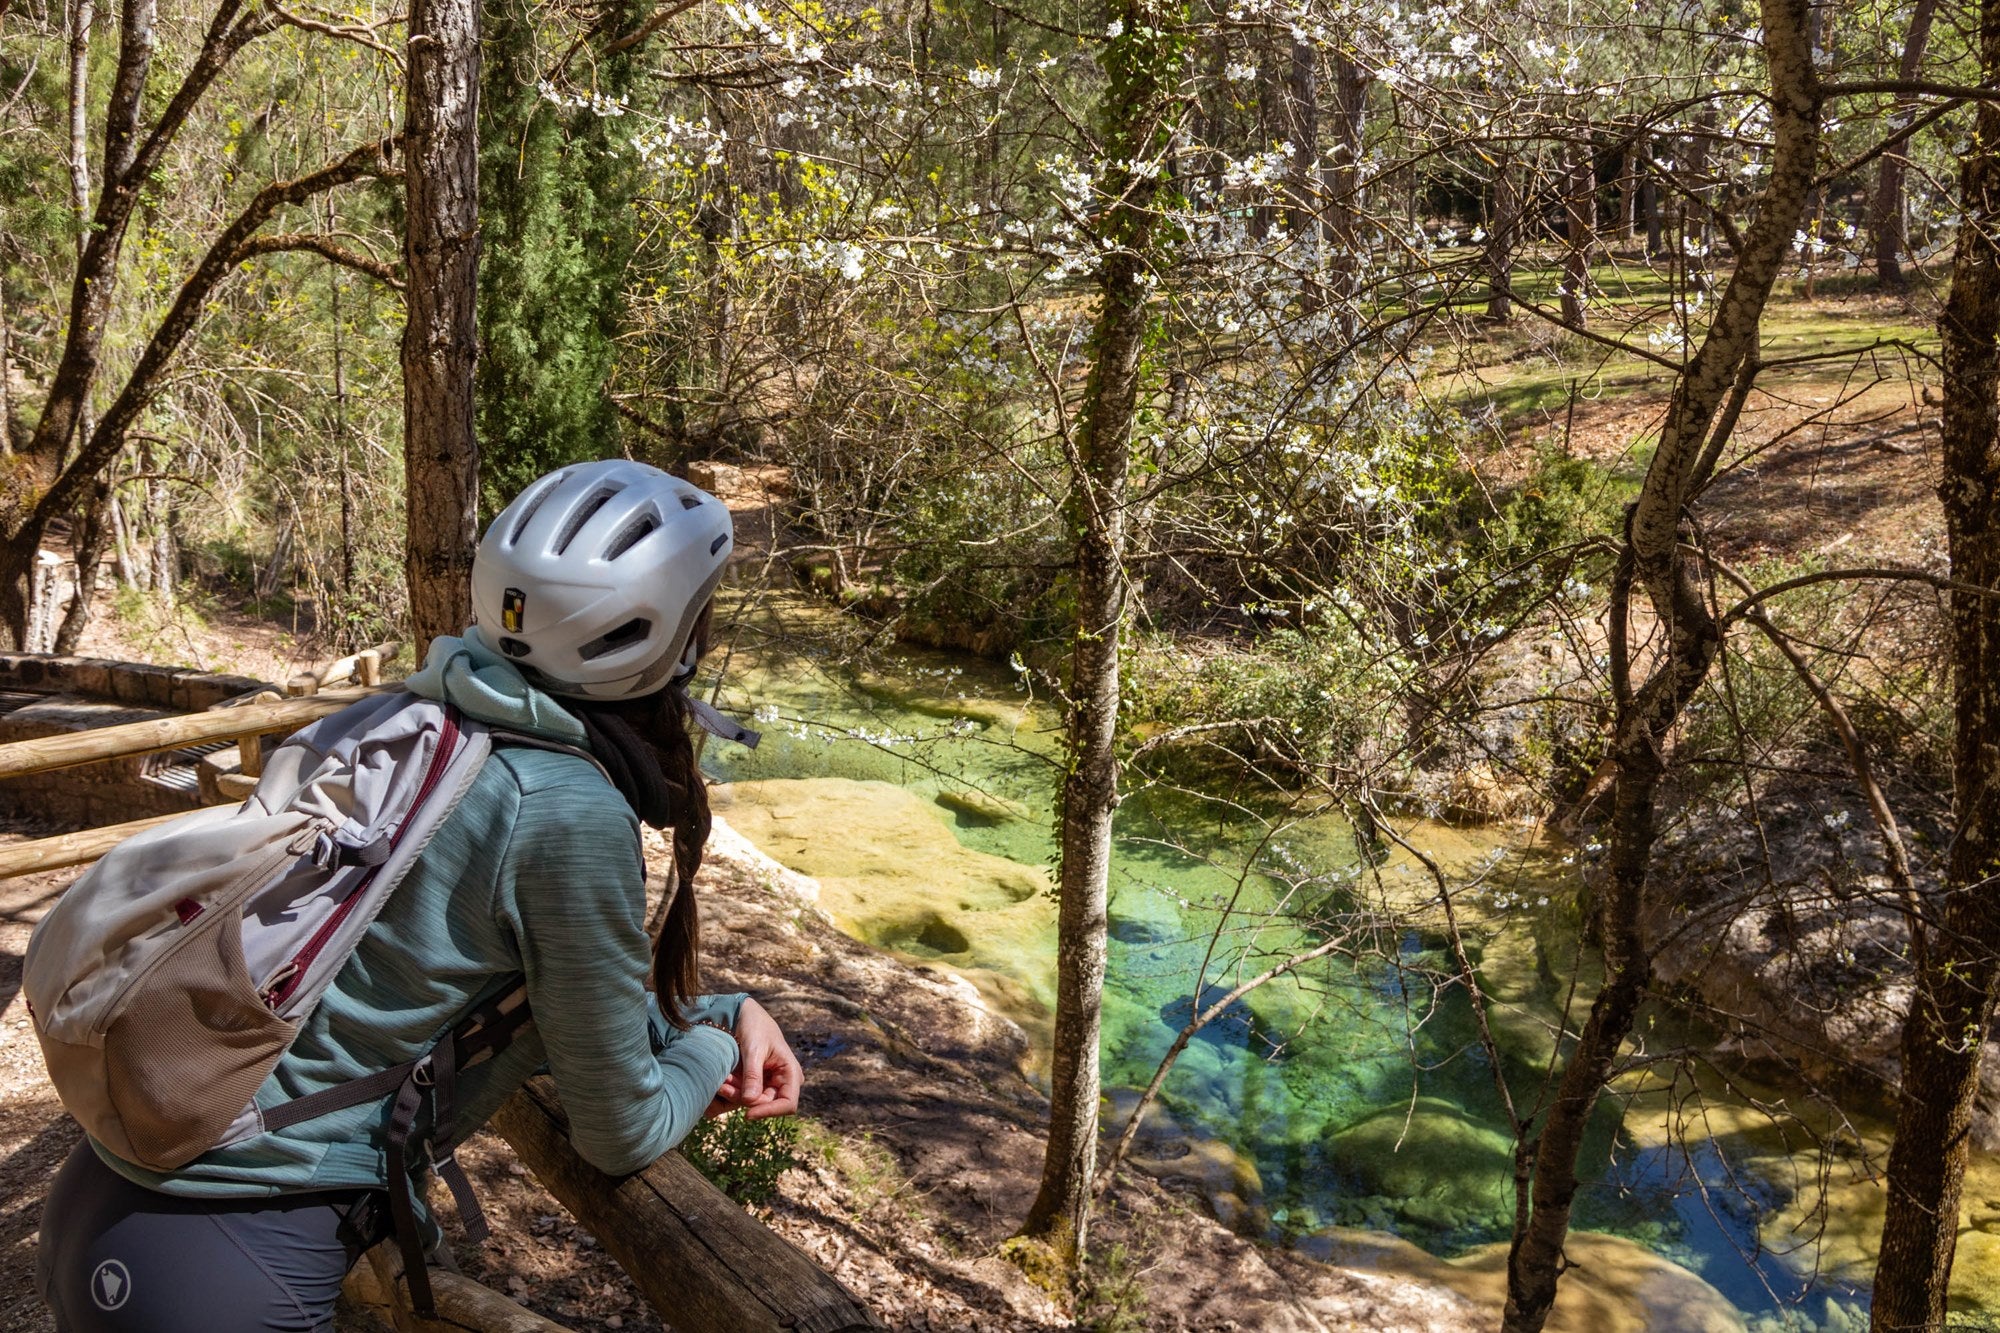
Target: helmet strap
{"type": "Point", "coordinates": [715, 722]}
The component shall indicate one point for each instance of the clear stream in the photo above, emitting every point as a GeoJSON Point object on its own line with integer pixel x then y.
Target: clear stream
{"type": "Point", "coordinates": [1352, 1095]}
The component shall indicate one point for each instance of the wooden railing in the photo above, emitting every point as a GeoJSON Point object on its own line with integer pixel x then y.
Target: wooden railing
{"type": "Point", "coordinates": [704, 1264]}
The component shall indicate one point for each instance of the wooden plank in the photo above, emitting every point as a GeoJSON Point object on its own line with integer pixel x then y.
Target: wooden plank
{"type": "Point", "coordinates": [45, 753]}
{"type": "Point", "coordinates": [71, 849]}
{"type": "Point", "coordinates": [704, 1264]}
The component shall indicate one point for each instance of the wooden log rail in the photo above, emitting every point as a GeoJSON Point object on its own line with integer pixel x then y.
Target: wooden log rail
{"type": "Point", "coordinates": [46, 753]}
{"type": "Point", "coordinates": [704, 1264]}
{"type": "Point", "coordinates": [363, 668]}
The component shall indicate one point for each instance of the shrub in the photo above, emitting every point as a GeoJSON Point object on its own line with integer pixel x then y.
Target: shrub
{"type": "Point", "coordinates": [743, 1157]}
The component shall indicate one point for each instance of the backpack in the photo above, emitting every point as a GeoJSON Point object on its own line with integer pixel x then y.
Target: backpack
{"type": "Point", "coordinates": [169, 980]}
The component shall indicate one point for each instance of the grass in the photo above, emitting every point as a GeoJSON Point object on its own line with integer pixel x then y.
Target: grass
{"type": "Point", "coordinates": [1529, 370]}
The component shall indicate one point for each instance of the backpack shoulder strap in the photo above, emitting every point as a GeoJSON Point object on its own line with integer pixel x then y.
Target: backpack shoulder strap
{"type": "Point", "coordinates": [528, 742]}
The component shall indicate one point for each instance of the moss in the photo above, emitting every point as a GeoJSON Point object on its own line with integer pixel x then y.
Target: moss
{"type": "Point", "coordinates": [1040, 1262]}
{"type": "Point", "coordinates": [897, 878]}
{"type": "Point", "coordinates": [1430, 1165]}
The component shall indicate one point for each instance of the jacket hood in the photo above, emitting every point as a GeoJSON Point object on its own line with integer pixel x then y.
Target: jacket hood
{"type": "Point", "coordinates": [462, 671]}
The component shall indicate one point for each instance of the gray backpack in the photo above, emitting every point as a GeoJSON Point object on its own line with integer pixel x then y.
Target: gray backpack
{"type": "Point", "coordinates": [168, 981]}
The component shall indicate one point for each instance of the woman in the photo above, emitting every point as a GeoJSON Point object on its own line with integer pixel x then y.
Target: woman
{"type": "Point", "coordinates": [591, 595]}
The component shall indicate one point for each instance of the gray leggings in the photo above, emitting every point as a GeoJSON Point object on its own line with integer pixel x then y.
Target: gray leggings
{"type": "Point", "coordinates": [118, 1258]}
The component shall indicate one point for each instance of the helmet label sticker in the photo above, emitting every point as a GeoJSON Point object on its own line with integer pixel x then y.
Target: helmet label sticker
{"type": "Point", "coordinates": [511, 606]}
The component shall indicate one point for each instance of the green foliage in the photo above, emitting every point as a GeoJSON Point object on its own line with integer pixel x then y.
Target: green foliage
{"type": "Point", "coordinates": [1308, 695]}
{"type": "Point", "coordinates": [1565, 500]}
{"type": "Point", "coordinates": [556, 191]}
{"type": "Point", "coordinates": [743, 1157]}
{"type": "Point", "coordinates": [1114, 1299]}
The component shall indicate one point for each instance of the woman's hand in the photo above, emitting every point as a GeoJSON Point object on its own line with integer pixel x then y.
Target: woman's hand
{"type": "Point", "coordinates": [767, 1077]}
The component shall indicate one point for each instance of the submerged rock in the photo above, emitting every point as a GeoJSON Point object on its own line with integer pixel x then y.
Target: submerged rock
{"type": "Point", "coordinates": [984, 805]}
{"type": "Point", "coordinates": [1430, 1165]}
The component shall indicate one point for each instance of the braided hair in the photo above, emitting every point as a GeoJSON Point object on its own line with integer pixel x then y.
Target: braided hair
{"type": "Point", "coordinates": [647, 747]}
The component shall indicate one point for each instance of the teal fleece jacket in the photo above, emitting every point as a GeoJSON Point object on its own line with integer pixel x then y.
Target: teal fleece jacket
{"type": "Point", "coordinates": [535, 873]}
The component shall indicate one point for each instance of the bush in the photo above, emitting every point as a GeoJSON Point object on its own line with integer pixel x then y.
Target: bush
{"type": "Point", "coordinates": [743, 1157]}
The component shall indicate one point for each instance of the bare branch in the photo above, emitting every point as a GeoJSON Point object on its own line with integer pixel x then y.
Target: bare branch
{"type": "Point", "coordinates": [359, 34]}
{"type": "Point", "coordinates": [322, 246]}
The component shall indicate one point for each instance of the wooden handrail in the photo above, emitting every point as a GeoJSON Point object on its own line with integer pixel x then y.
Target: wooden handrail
{"type": "Point", "coordinates": [45, 753]}
{"type": "Point", "coordinates": [365, 666]}
{"type": "Point", "coordinates": [463, 1306]}
{"type": "Point", "coordinates": [704, 1264]}
{"type": "Point", "coordinates": [71, 849]}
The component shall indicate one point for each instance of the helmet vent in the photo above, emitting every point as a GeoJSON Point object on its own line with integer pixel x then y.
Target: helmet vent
{"type": "Point", "coordinates": [718, 543]}
{"type": "Point", "coordinates": [689, 500]}
{"type": "Point", "coordinates": [582, 515]}
{"type": "Point", "coordinates": [528, 514]}
{"type": "Point", "coordinates": [632, 631]}
{"type": "Point", "coordinates": [635, 532]}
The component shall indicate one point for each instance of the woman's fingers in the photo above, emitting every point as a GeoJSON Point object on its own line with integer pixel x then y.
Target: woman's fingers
{"type": "Point", "coordinates": [783, 1078]}
{"type": "Point", "coordinates": [767, 1076]}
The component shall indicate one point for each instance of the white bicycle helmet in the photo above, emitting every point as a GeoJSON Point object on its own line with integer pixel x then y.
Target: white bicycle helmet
{"type": "Point", "coordinates": [593, 577]}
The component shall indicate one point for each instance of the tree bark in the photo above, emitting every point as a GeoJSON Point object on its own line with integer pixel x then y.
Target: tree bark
{"type": "Point", "coordinates": [1955, 962]}
{"type": "Point", "coordinates": [1344, 194]}
{"type": "Point", "coordinates": [1137, 108]}
{"type": "Point", "coordinates": [1628, 193]}
{"type": "Point", "coordinates": [1649, 204]}
{"type": "Point", "coordinates": [93, 532]}
{"type": "Point", "coordinates": [1655, 562]}
{"type": "Point", "coordinates": [1579, 232]}
{"type": "Point", "coordinates": [82, 15]}
{"type": "Point", "coordinates": [440, 337]}
{"type": "Point", "coordinates": [1503, 237]}
{"type": "Point", "coordinates": [1888, 221]}
{"type": "Point", "coordinates": [1302, 215]}
{"type": "Point", "coordinates": [6, 371]}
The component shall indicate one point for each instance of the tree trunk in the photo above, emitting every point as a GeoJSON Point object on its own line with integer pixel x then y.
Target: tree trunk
{"type": "Point", "coordinates": [1628, 193]}
{"type": "Point", "coordinates": [1502, 240]}
{"type": "Point", "coordinates": [440, 337]}
{"type": "Point", "coordinates": [82, 17]}
{"type": "Point", "coordinates": [1655, 561]}
{"type": "Point", "coordinates": [1649, 204]}
{"type": "Point", "coordinates": [160, 521]}
{"type": "Point", "coordinates": [1955, 962]}
{"type": "Point", "coordinates": [1143, 71]}
{"type": "Point", "coordinates": [1888, 220]}
{"type": "Point", "coordinates": [1302, 130]}
{"type": "Point", "coordinates": [82, 14]}
{"type": "Point", "coordinates": [93, 531]}
{"type": "Point", "coordinates": [1344, 194]}
{"type": "Point", "coordinates": [6, 371]}
{"type": "Point", "coordinates": [1579, 232]}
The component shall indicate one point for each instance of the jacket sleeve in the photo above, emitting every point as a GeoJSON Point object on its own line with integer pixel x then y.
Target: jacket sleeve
{"type": "Point", "coordinates": [577, 910]}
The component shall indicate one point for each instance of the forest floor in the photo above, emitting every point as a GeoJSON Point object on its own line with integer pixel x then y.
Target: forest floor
{"type": "Point", "coordinates": [1836, 450]}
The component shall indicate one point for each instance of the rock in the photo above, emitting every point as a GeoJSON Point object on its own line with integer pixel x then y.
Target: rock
{"type": "Point", "coordinates": [984, 805]}
{"type": "Point", "coordinates": [1431, 1166]}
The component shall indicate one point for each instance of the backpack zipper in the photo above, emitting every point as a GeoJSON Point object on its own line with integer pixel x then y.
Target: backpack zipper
{"type": "Point", "coordinates": [283, 982]}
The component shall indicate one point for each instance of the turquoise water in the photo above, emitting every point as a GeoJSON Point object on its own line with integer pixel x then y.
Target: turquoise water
{"type": "Point", "coordinates": [1354, 1093]}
